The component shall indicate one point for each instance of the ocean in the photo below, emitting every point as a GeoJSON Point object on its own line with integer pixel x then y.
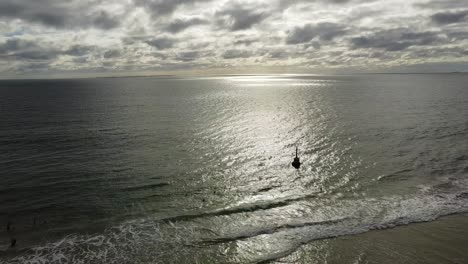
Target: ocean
{"type": "Point", "coordinates": [198, 169]}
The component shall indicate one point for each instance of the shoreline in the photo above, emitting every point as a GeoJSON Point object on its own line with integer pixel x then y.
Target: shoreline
{"type": "Point", "coordinates": [443, 240]}
{"type": "Point", "coordinates": [416, 242]}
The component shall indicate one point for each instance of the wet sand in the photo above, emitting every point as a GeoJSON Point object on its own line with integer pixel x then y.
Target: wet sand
{"type": "Point", "coordinates": [442, 241]}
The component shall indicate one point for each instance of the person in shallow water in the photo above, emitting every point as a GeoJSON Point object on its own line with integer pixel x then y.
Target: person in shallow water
{"type": "Point", "coordinates": [296, 162]}
{"type": "Point", "coordinates": [10, 230]}
{"type": "Point", "coordinates": [13, 243]}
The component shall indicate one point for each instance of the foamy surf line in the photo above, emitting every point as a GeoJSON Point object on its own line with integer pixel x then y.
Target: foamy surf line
{"type": "Point", "coordinates": [150, 241]}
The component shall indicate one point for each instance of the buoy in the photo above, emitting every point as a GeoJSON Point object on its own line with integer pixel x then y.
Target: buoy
{"type": "Point", "coordinates": [296, 162]}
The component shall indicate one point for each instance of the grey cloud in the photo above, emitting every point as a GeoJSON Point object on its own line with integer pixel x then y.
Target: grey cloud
{"type": "Point", "coordinates": [323, 31]}
{"type": "Point", "coordinates": [278, 54]}
{"type": "Point", "coordinates": [43, 11]}
{"type": "Point", "coordinates": [444, 18]}
{"type": "Point", "coordinates": [237, 17]}
{"type": "Point", "coordinates": [458, 35]}
{"type": "Point", "coordinates": [11, 45]}
{"type": "Point", "coordinates": [378, 55]}
{"type": "Point", "coordinates": [396, 39]}
{"type": "Point", "coordinates": [111, 54]}
{"type": "Point", "coordinates": [442, 4]}
{"type": "Point", "coordinates": [314, 44]}
{"type": "Point", "coordinates": [287, 3]}
{"type": "Point", "coordinates": [159, 55]}
{"type": "Point", "coordinates": [104, 21]}
{"type": "Point", "coordinates": [108, 64]}
{"type": "Point", "coordinates": [246, 42]}
{"type": "Point", "coordinates": [164, 7]}
{"type": "Point", "coordinates": [20, 49]}
{"type": "Point", "coordinates": [58, 14]}
{"type": "Point", "coordinates": [338, 1]}
{"type": "Point", "coordinates": [360, 32]}
{"type": "Point", "coordinates": [26, 50]}
{"type": "Point", "coordinates": [188, 56]}
{"type": "Point", "coordinates": [80, 60]}
{"type": "Point", "coordinates": [36, 55]}
{"type": "Point", "coordinates": [36, 67]}
{"type": "Point", "coordinates": [369, 55]}
{"type": "Point", "coordinates": [177, 66]}
{"type": "Point", "coordinates": [79, 50]}
{"type": "Point", "coordinates": [179, 25]}
{"type": "Point", "coordinates": [130, 40]}
{"type": "Point", "coordinates": [235, 54]}
{"type": "Point", "coordinates": [161, 43]}
{"type": "Point", "coordinates": [441, 52]}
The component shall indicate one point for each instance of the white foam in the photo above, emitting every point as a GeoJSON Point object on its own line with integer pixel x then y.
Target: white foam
{"type": "Point", "coordinates": [259, 235]}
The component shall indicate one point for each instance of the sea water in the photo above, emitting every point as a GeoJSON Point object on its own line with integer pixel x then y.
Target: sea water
{"type": "Point", "coordinates": [198, 169]}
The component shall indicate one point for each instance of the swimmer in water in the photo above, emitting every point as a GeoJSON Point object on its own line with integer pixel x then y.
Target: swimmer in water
{"type": "Point", "coordinates": [10, 230]}
{"type": "Point", "coordinates": [13, 243]}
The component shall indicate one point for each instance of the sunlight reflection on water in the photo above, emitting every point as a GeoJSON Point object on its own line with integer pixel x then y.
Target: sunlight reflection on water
{"type": "Point", "coordinates": [204, 164]}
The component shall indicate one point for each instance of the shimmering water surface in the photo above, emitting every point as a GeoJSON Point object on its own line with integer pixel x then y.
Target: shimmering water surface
{"type": "Point", "coordinates": [184, 170]}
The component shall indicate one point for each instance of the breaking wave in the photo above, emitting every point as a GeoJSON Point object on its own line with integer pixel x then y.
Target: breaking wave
{"type": "Point", "coordinates": [229, 235]}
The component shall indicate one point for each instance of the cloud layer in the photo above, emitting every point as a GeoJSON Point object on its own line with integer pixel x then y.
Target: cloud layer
{"type": "Point", "coordinates": [149, 36]}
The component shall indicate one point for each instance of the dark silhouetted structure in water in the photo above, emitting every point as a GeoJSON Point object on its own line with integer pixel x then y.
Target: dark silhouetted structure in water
{"type": "Point", "coordinates": [296, 162]}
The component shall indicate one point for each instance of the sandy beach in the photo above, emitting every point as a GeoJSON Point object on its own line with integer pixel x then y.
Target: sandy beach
{"type": "Point", "coordinates": [442, 241]}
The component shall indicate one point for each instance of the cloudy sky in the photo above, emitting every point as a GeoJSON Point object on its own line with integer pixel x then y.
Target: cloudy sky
{"type": "Point", "coordinates": [116, 37]}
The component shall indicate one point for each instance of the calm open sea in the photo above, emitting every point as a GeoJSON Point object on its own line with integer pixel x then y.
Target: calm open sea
{"type": "Point", "coordinates": [185, 170]}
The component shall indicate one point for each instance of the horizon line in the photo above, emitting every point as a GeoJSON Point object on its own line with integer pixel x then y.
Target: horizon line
{"type": "Point", "coordinates": [229, 75]}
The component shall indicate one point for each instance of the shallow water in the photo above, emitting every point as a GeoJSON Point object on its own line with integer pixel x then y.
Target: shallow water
{"type": "Point", "coordinates": [437, 242]}
{"type": "Point", "coordinates": [170, 169]}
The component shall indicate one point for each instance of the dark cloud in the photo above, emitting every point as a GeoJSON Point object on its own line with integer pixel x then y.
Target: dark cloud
{"type": "Point", "coordinates": [234, 30]}
{"type": "Point", "coordinates": [103, 20]}
{"type": "Point", "coordinates": [369, 55]}
{"type": "Point", "coordinates": [458, 35]}
{"type": "Point", "coordinates": [442, 4]}
{"type": "Point", "coordinates": [80, 60]}
{"type": "Point", "coordinates": [246, 42]}
{"type": "Point", "coordinates": [444, 18]}
{"type": "Point", "coordinates": [57, 13]}
{"type": "Point", "coordinates": [40, 54]}
{"type": "Point", "coordinates": [278, 54]}
{"type": "Point", "coordinates": [314, 44]}
{"type": "Point", "coordinates": [19, 49]}
{"type": "Point", "coordinates": [32, 67]}
{"type": "Point", "coordinates": [337, 1]}
{"type": "Point", "coordinates": [159, 55]}
{"type": "Point", "coordinates": [79, 50]}
{"type": "Point", "coordinates": [238, 17]}
{"type": "Point", "coordinates": [179, 25]}
{"type": "Point", "coordinates": [110, 54]}
{"type": "Point", "coordinates": [188, 56]}
{"type": "Point", "coordinates": [287, 3]}
{"type": "Point", "coordinates": [323, 31]}
{"type": "Point", "coordinates": [161, 43]}
{"type": "Point", "coordinates": [42, 11]}
{"type": "Point", "coordinates": [453, 52]}
{"type": "Point", "coordinates": [164, 7]}
{"type": "Point", "coordinates": [12, 45]}
{"type": "Point", "coordinates": [130, 40]}
{"type": "Point", "coordinates": [396, 39]}
{"type": "Point", "coordinates": [235, 54]}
